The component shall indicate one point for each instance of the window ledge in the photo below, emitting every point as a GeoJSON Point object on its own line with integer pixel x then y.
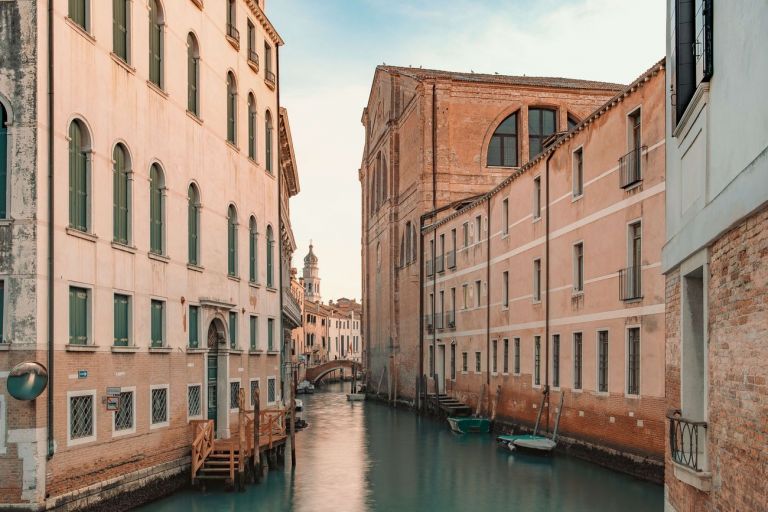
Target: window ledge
{"type": "Point", "coordinates": [6, 222]}
{"type": "Point", "coordinates": [536, 219]}
{"type": "Point", "coordinates": [158, 257]}
{"type": "Point", "coordinates": [273, 352]}
{"type": "Point", "coordinates": [122, 63]}
{"type": "Point", "coordinates": [191, 350]}
{"type": "Point", "coordinates": [233, 278]}
{"type": "Point", "coordinates": [601, 393]}
{"type": "Point", "coordinates": [254, 65]}
{"type": "Point", "coordinates": [195, 268]}
{"type": "Point", "coordinates": [254, 284]}
{"type": "Point", "coordinates": [576, 294]}
{"type": "Point", "coordinates": [633, 301]}
{"type": "Point", "coordinates": [91, 237]}
{"type": "Point", "coordinates": [194, 117]}
{"type": "Point", "coordinates": [701, 480]}
{"type": "Point", "coordinates": [633, 397]}
{"type": "Point", "coordinates": [271, 289]}
{"type": "Point", "coordinates": [129, 349]}
{"type": "Point", "coordinates": [234, 42]}
{"type": "Point", "coordinates": [81, 348]}
{"type": "Point", "coordinates": [4, 346]}
{"type": "Point", "coordinates": [123, 247]}
{"type": "Point", "coordinates": [536, 302]}
{"type": "Point", "coordinates": [79, 29]}
{"type": "Point", "coordinates": [236, 351]}
{"type": "Point", "coordinates": [256, 352]}
{"type": "Point", "coordinates": [577, 198]}
{"type": "Point", "coordinates": [233, 146]}
{"type": "Point", "coordinates": [159, 90]}
{"type": "Point", "coordinates": [198, 4]}
{"type": "Point", "coordinates": [270, 83]}
{"type": "Point", "coordinates": [634, 186]}
{"type": "Point", "coordinates": [160, 350]}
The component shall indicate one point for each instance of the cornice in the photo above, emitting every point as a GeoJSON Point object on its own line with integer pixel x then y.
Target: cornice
{"type": "Point", "coordinates": [253, 5]}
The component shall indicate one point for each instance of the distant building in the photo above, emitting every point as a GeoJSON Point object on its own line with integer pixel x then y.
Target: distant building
{"type": "Point", "coordinates": [311, 276]}
{"type": "Point", "coordinates": [716, 256]}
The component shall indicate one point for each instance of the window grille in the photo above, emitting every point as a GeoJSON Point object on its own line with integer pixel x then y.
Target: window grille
{"type": "Point", "coordinates": [124, 413]}
{"type": "Point", "coordinates": [159, 406]}
{"type": "Point", "coordinates": [81, 416]}
{"type": "Point", "coordinates": [194, 405]}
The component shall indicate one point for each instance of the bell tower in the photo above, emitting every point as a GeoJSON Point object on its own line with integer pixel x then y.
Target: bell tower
{"type": "Point", "coordinates": [311, 276]}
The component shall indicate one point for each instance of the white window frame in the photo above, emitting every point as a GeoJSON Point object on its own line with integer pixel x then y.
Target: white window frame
{"type": "Point", "coordinates": [90, 303]}
{"type": "Point", "coordinates": [577, 269]}
{"type": "Point", "coordinates": [277, 394]}
{"type": "Point", "coordinates": [164, 321]}
{"type": "Point", "coordinates": [574, 389]}
{"type": "Point", "coordinates": [536, 210]}
{"type": "Point", "coordinates": [202, 405]}
{"type": "Point", "coordinates": [505, 290]}
{"type": "Point", "coordinates": [81, 440]}
{"type": "Point", "coordinates": [164, 424]}
{"type": "Point", "coordinates": [597, 362]}
{"type": "Point", "coordinates": [533, 361]}
{"type": "Point", "coordinates": [536, 295]}
{"type": "Point", "coordinates": [574, 195]}
{"type": "Point", "coordinates": [229, 394]}
{"type": "Point", "coordinates": [199, 324]}
{"type": "Point", "coordinates": [478, 357]}
{"type": "Point", "coordinates": [4, 327]}
{"type": "Point", "coordinates": [494, 360]}
{"type": "Point", "coordinates": [559, 362]}
{"type": "Point", "coordinates": [505, 360]}
{"type": "Point", "coordinates": [131, 316]}
{"type": "Point", "coordinates": [626, 360]}
{"type": "Point", "coordinates": [250, 389]}
{"type": "Point", "coordinates": [478, 292]}
{"type": "Point", "coordinates": [505, 217]}
{"type": "Point", "coordinates": [517, 344]}
{"type": "Point", "coordinates": [638, 220]}
{"type": "Point", "coordinates": [132, 430]}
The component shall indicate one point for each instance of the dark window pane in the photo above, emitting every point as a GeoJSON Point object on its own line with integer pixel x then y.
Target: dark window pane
{"type": "Point", "coordinates": [494, 151]}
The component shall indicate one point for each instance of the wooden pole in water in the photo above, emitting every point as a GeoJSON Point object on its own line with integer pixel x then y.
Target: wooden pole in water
{"type": "Point", "coordinates": [256, 442]}
{"type": "Point", "coordinates": [293, 419]}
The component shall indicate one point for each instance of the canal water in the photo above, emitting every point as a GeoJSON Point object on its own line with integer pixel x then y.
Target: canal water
{"type": "Point", "coordinates": [367, 457]}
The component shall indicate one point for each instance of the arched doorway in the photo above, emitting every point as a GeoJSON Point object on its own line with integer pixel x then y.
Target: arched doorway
{"type": "Point", "coordinates": [216, 336]}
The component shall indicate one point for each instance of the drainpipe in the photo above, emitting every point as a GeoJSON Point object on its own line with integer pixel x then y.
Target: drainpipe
{"type": "Point", "coordinates": [488, 298]}
{"type": "Point", "coordinates": [434, 148]}
{"type": "Point", "coordinates": [52, 379]}
{"type": "Point", "coordinates": [284, 370]}
{"type": "Point", "coordinates": [421, 316]}
{"type": "Point", "coordinates": [546, 298]}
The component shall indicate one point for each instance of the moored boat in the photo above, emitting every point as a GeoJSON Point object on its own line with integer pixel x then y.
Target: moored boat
{"type": "Point", "coordinates": [355, 397]}
{"type": "Point", "coordinates": [469, 424]}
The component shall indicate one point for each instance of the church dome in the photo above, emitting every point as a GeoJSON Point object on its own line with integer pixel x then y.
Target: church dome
{"type": "Point", "coordinates": [310, 259]}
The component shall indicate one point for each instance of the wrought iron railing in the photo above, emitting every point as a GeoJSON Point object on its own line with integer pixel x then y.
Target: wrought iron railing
{"type": "Point", "coordinates": [450, 320]}
{"type": "Point", "coordinates": [233, 32]}
{"type": "Point", "coordinates": [253, 57]}
{"type": "Point", "coordinates": [429, 323]}
{"type": "Point", "coordinates": [269, 77]}
{"type": "Point", "coordinates": [440, 263]}
{"type": "Point", "coordinates": [631, 283]}
{"type": "Point", "coordinates": [451, 259]}
{"type": "Point", "coordinates": [630, 171]}
{"type": "Point", "coordinates": [687, 440]}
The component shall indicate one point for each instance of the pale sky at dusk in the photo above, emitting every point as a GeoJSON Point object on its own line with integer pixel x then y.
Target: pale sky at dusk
{"type": "Point", "coordinates": [333, 46]}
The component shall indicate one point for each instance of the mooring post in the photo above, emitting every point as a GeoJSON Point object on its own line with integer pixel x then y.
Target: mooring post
{"type": "Point", "coordinates": [256, 442]}
{"type": "Point", "coordinates": [293, 419]}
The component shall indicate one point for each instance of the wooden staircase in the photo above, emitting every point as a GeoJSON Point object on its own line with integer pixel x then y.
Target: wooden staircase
{"type": "Point", "coordinates": [448, 405]}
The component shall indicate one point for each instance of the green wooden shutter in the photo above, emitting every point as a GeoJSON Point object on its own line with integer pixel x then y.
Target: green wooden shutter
{"type": "Point", "coordinates": [77, 12]}
{"type": "Point", "coordinates": [268, 142]}
{"type": "Point", "coordinates": [270, 279]}
{"type": "Point", "coordinates": [193, 226]}
{"type": "Point", "coordinates": [121, 313]}
{"type": "Point", "coordinates": [231, 243]}
{"type": "Point", "coordinates": [155, 44]}
{"type": "Point", "coordinates": [120, 28]}
{"type": "Point", "coordinates": [120, 199]}
{"type": "Point", "coordinates": [155, 211]}
{"type": "Point", "coordinates": [191, 80]}
{"type": "Point", "coordinates": [270, 334]}
{"type": "Point", "coordinates": [78, 183]}
{"type": "Point", "coordinates": [78, 316]}
{"type": "Point", "coordinates": [157, 307]}
{"type": "Point", "coordinates": [232, 329]}
{"type": "Point", "coordinates": [3, 164]}
{"type": "Point", "coordinates": [253, 325]}
{"type": "Point", "coordinates": [252, 254]}
{"type": "Point", "coordinates": [194, 338]}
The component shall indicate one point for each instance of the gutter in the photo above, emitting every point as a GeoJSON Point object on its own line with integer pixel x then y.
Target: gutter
{"type": "Point", "coordinates": [284, 371]}
{"type": "Point", "coordinates": [488, 299]}
{"type": "Point", "coordinates": [434, 147]}
{"type": "Point", "coordinates": [422, 392]}
{"type": "Point", "coordinates": [51, 373]}
{"type": "Point", "coordinates": [546, 299]}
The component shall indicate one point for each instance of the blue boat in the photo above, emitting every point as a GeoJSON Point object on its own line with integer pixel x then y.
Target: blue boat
{"type": "Point", "coordinates": [470, 424]}
{"type": "Point", "coordinates": [534, 442]}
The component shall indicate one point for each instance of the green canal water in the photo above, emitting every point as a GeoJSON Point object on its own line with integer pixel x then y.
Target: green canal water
{"type": "Point", "coordinates": [367, 457]}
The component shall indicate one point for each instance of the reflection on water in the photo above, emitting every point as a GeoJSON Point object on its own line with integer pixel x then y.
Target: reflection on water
{"type": "Point", "coordinates": [359, 457]}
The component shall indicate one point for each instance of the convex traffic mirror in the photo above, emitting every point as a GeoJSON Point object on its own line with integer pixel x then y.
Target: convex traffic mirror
{"type": "Point", "coordinates": [27, 380]}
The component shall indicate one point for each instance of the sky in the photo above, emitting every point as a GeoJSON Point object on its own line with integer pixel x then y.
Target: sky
{"type": "Point", "coordinates": [332, 48]}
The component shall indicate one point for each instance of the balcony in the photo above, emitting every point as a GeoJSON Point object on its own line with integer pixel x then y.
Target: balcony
{"type": "Point", "coordinates": [430, 268]}
{"type": "Point", "coordinates": [630, 283]}
{"type": "Point", "coordinates": [269, 78]}
{"type": "Point", "coordinates": [630, 168]}
{"type": "Point", "coordinates": [253, 59]}
{"type": "Point", "coordinates": [687, 441]}
{"type": "Point", "coordinates": [440, 263]}
{"type": "Point", "coordinates": [450, 320]}
{"type": "Point", "coordinates": [291, 310]}
{"type": "Point", "coordinates": [451, 259]}
{"type": "Point", "coordinates": [233, 36]}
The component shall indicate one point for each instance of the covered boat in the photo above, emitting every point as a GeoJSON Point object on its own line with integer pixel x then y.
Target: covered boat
{"type": "Point", "coordinates": [470, 424]}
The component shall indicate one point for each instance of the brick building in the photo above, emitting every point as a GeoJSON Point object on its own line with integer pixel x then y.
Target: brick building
{"type": "Point", "coordinates": [716, 257]}
{"type": "Point", "coordinates": [427, 135]}
{"type": "Point", "coordinates": [548, 287]}
{"type": "Point", "coordinates": [139, 225]}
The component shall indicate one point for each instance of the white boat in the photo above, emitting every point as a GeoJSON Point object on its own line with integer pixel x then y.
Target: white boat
{"type": "Point", "coordinates": [355, 397]}
{"type": "Point", "coordinates": [305, 387]}
{"type": "Point", "coordinates": [299, 405]}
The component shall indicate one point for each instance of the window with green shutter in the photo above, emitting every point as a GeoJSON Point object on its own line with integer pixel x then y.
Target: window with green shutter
{"type": "Point", "coordinates": [231, 108]}
{"type": "Point", "coordinates": [193, 225]}
{"type": "Point", "coordinates": [155, 43]}
{"type": "Point", "coordinates": [270, 334]}
{"type": "Point", "coordinates": [253, 245]}
{"type": "Point", "coordinates": [232, 241]}
{"type": "Point", "coordinates": [3, 162]}
{"type": "Point", "coordinates": [156, 210]}
{"type": "Point", "coordinates": [254, 325]}
{"type": "Point", "coordinates": [232, 329]}
{"type": "Point", "coordinates": [120, 20]}
{"type": "Point", "coordinates": [78, 12]}
{"type": "Point", "coordinates": [157, 318]}
{"type": "Point", "coordinates": [78, 316]}
{"type": "Point", "coordinates": [121, 320]}
{"type": "Point", "coordinates": [194, 326]}
{"type": "Point", "coordinates": [78, 178]}
{"type": "Point", "coordinates": [193, 74]}
{"type": "Point", "coordinates": [268, 141]}
{"type": "Point", "coordinates": [2, 312]}
{"type": "Point", "coordinates": [121, 195]}
{"type": "Point", "coordinates": [270, 243]}
{"type": "Point", "coordinates": [251, 127]}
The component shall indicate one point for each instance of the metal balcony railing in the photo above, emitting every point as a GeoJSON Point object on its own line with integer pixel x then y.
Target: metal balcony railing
{"type": "Point", "coordinates": [428, 323]}
{"type": "Point", "coordinates": [687, 440]}
{"type": "Point", "coordinates": [233, 32]}
{"type": "Point", "coordinates": [630, 283]}
{"type": "Point", "coordinates": [269, 77]}
{"type": "Point", "coordinates": [450, 320]}
{"type": "Point", "coordinates": [630, 171]}
{"type": "Point", "coordinates": [253, 58]}
{"type": "Point", "coordinates": [440, 263]}
{"type": "Point", "coordinates": [451, 258]}
{"type": "Point", "coordinates": [430, 268]}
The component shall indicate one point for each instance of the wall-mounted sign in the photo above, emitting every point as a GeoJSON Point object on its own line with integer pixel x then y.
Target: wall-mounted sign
{"type": "Point", "coordinates": [82, 374]}
{"type": "Point", "coordinates": [26, 381]}
{"type": "Point", "coordinates": [113, 391]}
{"type": "Point", "coordinates": [112, 403]}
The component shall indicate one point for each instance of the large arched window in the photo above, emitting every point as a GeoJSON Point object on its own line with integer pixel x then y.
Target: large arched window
{"type": "Point", "coordinates": [3, 163]}
{"type": "Point", "coordinates": [268, 141]}
{"type": "Point", "coordinates": [193, 225]}
{"type": "Point", "coordinates": [156, 43]}
{"type": "Point", "coordinates": [121, 204]}
{"type": "Point", "coordinates": [502, 150]}
{"type": "Point", "coordinates": [231, 108]}
{"type": "Point", "coordinates": [79, 177]}
{"type": "Point", "coordinates": [253, 250]}
{"type": "Point", "coordinates": [232, 240]}
{"type": "Point", "coordinates": [270, 257]}
{"type": "Point", "coordinates": [193, 75]}
{"type": "Point", "coordinates": [156, 210]}
{"type": "Point", "coordinates": [251, 127]}
{"type": "Point", "coordinates": [542, 122]}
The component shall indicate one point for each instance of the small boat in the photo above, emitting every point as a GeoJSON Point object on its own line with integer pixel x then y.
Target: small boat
{"type": "Point", "coordinates": [299, 405]}
{"type": "Point", "coordinates": [534, 442]}
{"type": "Point", "coordinates": [469, 424]}
{"type": "Point", "coordinates": [305, 387]}
{"type": "Point", "coordinates": [355, 397]}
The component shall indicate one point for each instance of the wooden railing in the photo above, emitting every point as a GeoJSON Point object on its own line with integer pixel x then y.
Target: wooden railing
{"type": "Point", "coordinates": [272, 425]}
{"type": "Point", "coordinates": [202, 445]}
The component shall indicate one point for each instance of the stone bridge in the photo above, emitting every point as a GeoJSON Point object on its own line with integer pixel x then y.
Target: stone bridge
{"type": "Point", "coordinates": [315, 373]}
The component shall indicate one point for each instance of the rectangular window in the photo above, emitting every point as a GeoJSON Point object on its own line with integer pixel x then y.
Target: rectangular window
{"type": "Point", "coordinates": [252, 43]}
{"type": "Point", "coordinates": [268, 61]}
{"type": "Point", "coordinates": [431, 361]}
{"type": "Point", "coordinates": [477, 293]}
{"type": "Point", "coordinates": [517, 356]}
{"type": "Point", "coordinates": [578, 267]}
{"type": "Point", "coordinates": [577, 360]}
{"type": "Point", "coordinates": [537, 197]}
{"type": "Point", "coordinates": [632, 277]}
{"type": "Point", "coordinates": [194, 403]}
{"type": "Point", "coordinates": [2, 311]}
{"type": "Point", "coordinates": [453, 362]}
{"type": "Point", "coordinates": [234, 395]}
{"type": "Point", "coordinates": [494, 353]}
{"type": "Point", "coordinates": [158, 321]}
{"type": "Point", "coordinates": [271, 390]}
{"type": "Point", "coordinates": [556, 360]}
{"type": "Point", "coordinates": [78, 12]}
{"type": "Point", "coordinates": [602, 361]}
{"type": "Point", "coordinates": [464, 366]}
{"type": "Point", "coordinates": [159, 397]}
{"type": "Point", "coordinates": [465, 293]}
{"type": "Point", "coordinates": [123, 417]}
{"type": "Point", "coordinates": [537, 360]}
{"type": "Point", "coordinates": [122, 320]}
{"type": "Point", "coordinates": [271, 334]}
{"type": "Point", "coordinates": [441, 254]}
{"type": "Point", "coordinates": [478, 228]}
{"type": "Point", "coordinates": [465, 234]}
{"type": "Point", "coordinates": [477, 362]}
{"type": "Point", "coordinates": [81, 417]}
{"type": "Point", "coordinates": [254, 392]}
{"type": "Point", "coordinates": [120, 20]}
{"type": "Point", "coordinates": [506, 355]}
{"type": "Point", "coordinates": [536, 280]}
{"type": "Point", "coordinates": [233, 329]}
{"type": "Point", "coordinates": [253, 322]}
{"type": "Point", "coordinates": [633, 361]}
{"type": "Point", "coordinates": [79, 305]}
{"type": "Point", "coordinates": [505, 217]}
{"type": "Point", "coordinates": [505, 289]}
{"type": "Point", "coordinates": [194, 326]}
{"type": "Point", "coordinates": [578, 172]}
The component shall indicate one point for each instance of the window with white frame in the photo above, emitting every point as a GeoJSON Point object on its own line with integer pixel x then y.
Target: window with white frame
{"type": "Point", "coordinates": [194, 401]}
{"type": "Point", "coordinates": [578, 267]}
{"type": "Point", "coordinates": [2, 312]}
{"type": "Point", "coordinates": [517, 356]}
{"type": "Point", "coordinates": [234, 395]}
{"type": "Point", "coordinates": [478, 363]}
{"type": "Point", "coordinates": [578, 172]}
{"type": "Point", "coordinates": [506, 355]}
{"type": "Point", "coordinates": [478, 290]}
{"type": "Point", "coordinates": [537, 197]}
{"type": "Point", "coordinates": [602, 361]}
{"type": "Point", "coordinates": [464, 366]}
{"type": "Point", "coordinates": [577, 360]}
{"type": "Point", "coordinates": [537, 280]}
{"type": "Point", "coordinates": [633, 361]}
{"type": "Point", "coordinates": [494, 354]}
{"type": "Point", "coordinates": [505, 289]}
{"type": "Point", "coordinates": [556, 360]}
{"type": "Point", "coordinates": [159, 406]}
{"type": "Point", "coordinates": [465, 234]}
{"type": "Point", "coordinates": [3, 424]}
{"type": "Point", "coordinates": [124, 416]}
{"type": "Point", "coordinates": [465, 294]}
{"type": "Point", "coordinates": [271, 391]}
{"type": "Point", "coordinates": [537, 360]}
{"type": "Point", "coordinates": [505, 217]}
{"type": "Point", "coordinates": [478, 228]}
{"type": "Point", "coordinates": [254, 391]}
{"type": "Point", "coordinates": [82, 417]}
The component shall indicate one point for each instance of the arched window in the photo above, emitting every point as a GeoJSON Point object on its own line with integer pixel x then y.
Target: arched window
{"type": "Point", "coordinates": [542, 123]}
{"type": "Point", "coordinates": [156, 210]}
{"type": "Point", "coordinates": [193, 224]}
{"type": "Point", "coordinates": [231, 108]}
{"type": "Point", "coordinates": [121, 20]}
{"type": "Point", "coordinates": [251, 127]}
{"type": "Point", "coordinates": [3, 162]}
{"type": "Point", "coordinates": [268, 141]}
{"type": "Point", "coordinates": [79, 177]}
{"type": "Point", "coordinates": [232, 241]}
{"type": "Point", "coordinates": [270, 256]}
{"type": "Point", "coordinates": [253, 250]}
{"type": "Point", "coordinates": [156, 49]}
{"type": "Point", "coordinates": [193, 75]}
{"type": "Point", "coordinates": [121, 204]}
{"type": "Point", "coordinates": [502, 150]}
